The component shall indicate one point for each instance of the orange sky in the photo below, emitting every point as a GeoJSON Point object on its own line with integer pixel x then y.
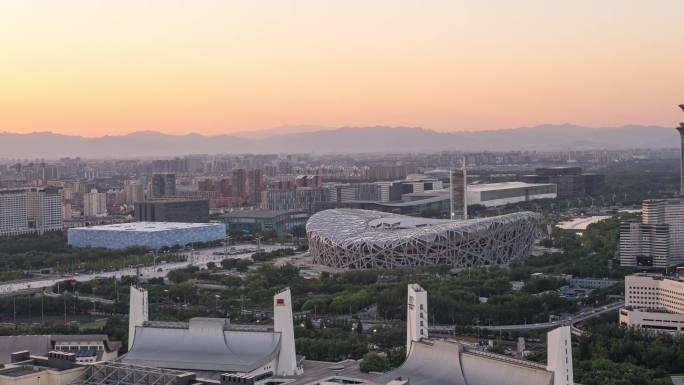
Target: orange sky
{"type": "Point", "coordinates": [111, 67]}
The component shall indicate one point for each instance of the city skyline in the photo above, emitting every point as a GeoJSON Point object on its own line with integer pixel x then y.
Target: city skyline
{"type": "Point", "coordinates": [94, 69]}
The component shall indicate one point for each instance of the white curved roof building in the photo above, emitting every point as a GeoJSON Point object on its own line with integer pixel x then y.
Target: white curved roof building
{"type": "Point", "coordinates": [350, 238]}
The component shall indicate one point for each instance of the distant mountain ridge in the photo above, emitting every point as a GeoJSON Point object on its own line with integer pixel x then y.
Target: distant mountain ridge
{"type": "Point", "coordinates": [379, 139]}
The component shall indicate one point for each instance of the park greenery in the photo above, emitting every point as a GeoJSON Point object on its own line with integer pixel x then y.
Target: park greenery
{"type": "Point", "coordinates": [588, 255]}
{"type": "Point", "coordinates": [47, 253]}
{"type": "Point", "coordinates": [611, 354]}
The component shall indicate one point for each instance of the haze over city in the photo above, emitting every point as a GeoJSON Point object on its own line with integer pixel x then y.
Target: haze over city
{"type": "Point", "coordinates": [221, 67]}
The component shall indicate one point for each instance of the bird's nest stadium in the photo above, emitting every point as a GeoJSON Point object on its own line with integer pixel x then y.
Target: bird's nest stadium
{"type": "Point", "coordinates": [350, 238]}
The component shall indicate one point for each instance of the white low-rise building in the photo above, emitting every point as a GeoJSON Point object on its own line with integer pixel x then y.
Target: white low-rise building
{"type": "Point", "coordinates": [654, 302]}
{"type": "Point", "coordinates": [504, 193]}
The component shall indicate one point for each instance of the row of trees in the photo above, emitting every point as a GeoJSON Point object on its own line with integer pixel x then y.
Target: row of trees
{"type": "Point", "coordinates": [50, 251]}
{"type": "Point", "coordinates": [611, 354]}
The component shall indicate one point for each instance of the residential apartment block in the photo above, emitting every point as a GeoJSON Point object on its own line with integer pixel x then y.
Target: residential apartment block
{"type": "Point", "coordinates": [658, 241]}
{"type": "Point", "coordinates": [30, 210]}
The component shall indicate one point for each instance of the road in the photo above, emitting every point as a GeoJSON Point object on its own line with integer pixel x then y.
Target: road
{"type": "Point", "coordinates": [199, 258]}
{"type": "Point", "coordinates": [84, 298]}
{"type": "Point", "coordinates": [579, 317]}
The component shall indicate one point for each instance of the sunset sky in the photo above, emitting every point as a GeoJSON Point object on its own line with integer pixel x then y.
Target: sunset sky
{"type": "Point", "coordinates": [111, 67]}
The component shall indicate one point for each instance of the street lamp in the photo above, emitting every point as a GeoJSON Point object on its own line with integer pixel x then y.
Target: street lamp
{"type": "Point", "coordinates": [258, 239]}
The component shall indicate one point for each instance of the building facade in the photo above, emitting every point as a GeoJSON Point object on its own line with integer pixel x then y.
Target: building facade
{"type": "Point", "coordinates": [163, 185]}
{"type": "Point", "coordinates": [173, 210]}
{"type": "Point", "coordinates": [458, 185]}
{"type": "Point", "coordinates": [349, 238]}
{"type": "Point", "coordinates": [255, 186]}
{"type": "Point", "coordinates": [239, 183]}
{"type": "Point", "coordinates": [13, 212]}
{"type": "Point", "coordinates": [153, 235]}
{"type": "Point", "coordinates": [45, 209]}
{"type": "Point", "coordinates": [30, 210]}
{"type": "Point", "coordinates": [416, 315]}
{"type": "Point", "coordinates": [570, 181]}
{"type": "Point", "coordinates": [499, 194]}
{"type": "Point", "coordinates": [654, 302]}
{"type": "Point", "coordinates": [94, 204]}
{"type": "Point", "coordinates": [304, 198]}
{"type": "Point", "coordinates": [658, 240]}
{"type": "Point", "coordinates": [252, 221]}
{"type": "Point", "coordinates": [133, 192]}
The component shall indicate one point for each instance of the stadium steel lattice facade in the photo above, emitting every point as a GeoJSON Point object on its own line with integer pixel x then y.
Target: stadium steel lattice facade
{"type": "Point", "coordinates": [349, 238]}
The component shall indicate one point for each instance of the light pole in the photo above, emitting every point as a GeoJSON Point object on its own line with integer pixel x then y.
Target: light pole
{"type": "Point", "coordinates": [258, 239]}
{"type": "Point", "coordinates": [225, 245]}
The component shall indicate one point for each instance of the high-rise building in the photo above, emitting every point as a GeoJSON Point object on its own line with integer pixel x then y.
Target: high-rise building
{"type": "Point", "coordinates": [45, 209]}
{"type": "Point", "coordinates": [133, 192]}
{"type": "Point", "coordinates": [570, 181]}
{"type": "Point", "coordinates": [304, 199]}
{"type": "Point", "coordinates": [239, 183]}
{"type": "Point", "coordinates": [658, 241]}
{"type": "Point", "coordinates": [94, 204]}
{"type": "Point", "coordinates": [163, 185]}
{"type": "Point", "coordinates": [255, 186]}
{"type": "Point", "coordinates": [30, 210]}
{"type": "Point", "coordinates": [308, 181]}
{"type": "Point", "coordinates": [644, 245]}
{"type": "Point", "coordinates": [173, 210]}
{"type": "Point", "coordinates": [458, 182]}
{"type": "Point", "coordinates": [13, 212]}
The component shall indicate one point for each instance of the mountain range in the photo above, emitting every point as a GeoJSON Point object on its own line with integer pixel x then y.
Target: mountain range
{"type": "Point", "coordinates": [380, 139]}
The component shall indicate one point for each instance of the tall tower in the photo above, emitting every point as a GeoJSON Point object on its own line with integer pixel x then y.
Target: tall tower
{"type": "Point", "coordinates": [458, 188]}
{"type": "Point", "coordinates": [559, 355]}
{"type": "Point", "coordinates": [137, 312]}
{"type": "Point", "coordinates": [416, 315]}
{"type": "Point", "coordinates": [681, 154]}
{"type": "Point", "coordinates": [283, 324]}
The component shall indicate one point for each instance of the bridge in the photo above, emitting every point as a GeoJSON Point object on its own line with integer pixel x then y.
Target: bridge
{"type": "Point", "coordinates": [576, 318]}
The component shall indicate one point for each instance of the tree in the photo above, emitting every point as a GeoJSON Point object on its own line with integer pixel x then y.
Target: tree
{"type": "Point", "coordinates": [299, 231]}
{"type": "Point", "coordinates": [374, 362]}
